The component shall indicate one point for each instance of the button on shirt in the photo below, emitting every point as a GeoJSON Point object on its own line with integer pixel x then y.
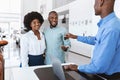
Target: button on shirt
{"type": "Point", "coordinates": [106, 53]}
{"type": "Point", "coordinates": [31, 45]}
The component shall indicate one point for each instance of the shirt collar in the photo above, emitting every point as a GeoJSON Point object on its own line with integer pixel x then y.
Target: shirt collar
{"type": "Point", "coordinates": [53, 27]}
{"type": "Point", "coordinates": [34, 34]}
{"type": "Point", "coordinates": [31, 32]}
{"type": "Point", "coordinates": [106, 19]}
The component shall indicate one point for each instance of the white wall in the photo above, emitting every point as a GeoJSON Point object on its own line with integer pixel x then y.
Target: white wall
{"type": "Point", "coordinates": [117, 8]}
{"type": "Point", "coordinates": [47, 7]}
{"type": "Point", "coordinates": [81, 15]}
{"type": "Point", "coordinates": [28, 6]}
{"type": "Point", "coordinates": [81, 23]}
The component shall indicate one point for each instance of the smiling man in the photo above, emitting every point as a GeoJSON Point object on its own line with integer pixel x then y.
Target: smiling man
{"type": "Point", "coordinates": [55, 42]}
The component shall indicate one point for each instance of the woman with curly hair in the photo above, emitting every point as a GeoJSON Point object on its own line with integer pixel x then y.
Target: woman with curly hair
{"type": "Point", "coordinates": [32, 43]}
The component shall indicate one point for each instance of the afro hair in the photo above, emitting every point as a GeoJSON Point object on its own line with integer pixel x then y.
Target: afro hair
{"type": "Point", "coordinates": [28, 18]}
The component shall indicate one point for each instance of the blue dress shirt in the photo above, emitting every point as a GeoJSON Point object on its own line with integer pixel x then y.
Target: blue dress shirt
{"type": "Point", "coordinates": [106, 53]}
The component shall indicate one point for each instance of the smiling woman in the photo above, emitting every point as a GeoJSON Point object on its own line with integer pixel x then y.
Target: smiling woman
{"type": "Point", "coordinates": [32, 43]}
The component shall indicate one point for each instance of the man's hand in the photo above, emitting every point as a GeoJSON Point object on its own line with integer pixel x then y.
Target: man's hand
{"type": "Point", "coordinates": [72, 67]}
{"type": "Point", "coordinates": [64, 48]}
{"type": "Point", "coordinates": [69, 35]}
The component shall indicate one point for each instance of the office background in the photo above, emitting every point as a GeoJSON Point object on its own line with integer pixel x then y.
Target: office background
{"type": "Point", "coordinates": [79, 19]}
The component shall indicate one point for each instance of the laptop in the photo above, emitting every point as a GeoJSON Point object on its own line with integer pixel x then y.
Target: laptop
{"type": "Point", "coordinates": [57, 72]}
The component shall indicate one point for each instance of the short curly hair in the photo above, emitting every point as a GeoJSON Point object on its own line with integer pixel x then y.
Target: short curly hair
{"type": "Point", "coordinates": [28, 18]}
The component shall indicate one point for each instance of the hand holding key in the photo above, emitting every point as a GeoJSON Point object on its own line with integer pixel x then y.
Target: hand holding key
{"type": "Point", "coordinates": [69, 35]}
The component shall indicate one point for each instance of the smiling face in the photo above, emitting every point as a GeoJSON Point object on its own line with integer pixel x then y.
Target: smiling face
{"type": "Point", "coordinates": [53, 19]}
{"type": "Point", "coordinates": [35, 24]}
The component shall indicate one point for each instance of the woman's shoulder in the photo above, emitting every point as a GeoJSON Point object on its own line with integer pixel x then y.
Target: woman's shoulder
{"type": "Point", "coordinates": [26, 35]}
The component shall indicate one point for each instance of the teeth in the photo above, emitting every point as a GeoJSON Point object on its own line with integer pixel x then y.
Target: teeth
{"type": "Point", "coordinates": [54, 23]}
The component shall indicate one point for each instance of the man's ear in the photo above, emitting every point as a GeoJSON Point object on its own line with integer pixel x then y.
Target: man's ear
{"type": "Point", "coordinates": [101, 3]}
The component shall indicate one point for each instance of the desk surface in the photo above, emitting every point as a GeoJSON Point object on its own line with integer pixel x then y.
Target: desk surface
{"type": "Point", "coordinates": [27, 73]}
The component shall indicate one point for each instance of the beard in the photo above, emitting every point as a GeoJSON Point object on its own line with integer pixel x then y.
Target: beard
{"type": "Point", "coordinates": [53, 24]}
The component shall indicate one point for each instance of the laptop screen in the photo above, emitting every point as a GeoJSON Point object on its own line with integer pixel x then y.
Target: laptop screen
{"type": "Point", "coordinates": [57, 68]}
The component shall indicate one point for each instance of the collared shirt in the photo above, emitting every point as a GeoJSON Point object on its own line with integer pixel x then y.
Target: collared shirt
{"type": "Point", "coordinates": [30, 44]}
{"type": "Point", "coordinates": [54, 40]}
{"type": "Point", "coordinates": [106, 53]}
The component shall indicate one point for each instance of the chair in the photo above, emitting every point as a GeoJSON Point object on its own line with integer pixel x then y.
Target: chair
{"type": "Point", "coordinates": [1, 67]}
{"type": "Point", "coordinates": [2, 44]}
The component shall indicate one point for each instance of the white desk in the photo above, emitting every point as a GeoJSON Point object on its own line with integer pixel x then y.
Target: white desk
{"type": "Point", "coordinates": [27, 73]}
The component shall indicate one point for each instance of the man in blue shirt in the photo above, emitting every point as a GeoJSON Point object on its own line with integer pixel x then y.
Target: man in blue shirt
{"type": "Point", "coordinates": [56, 45]}
{"type": "Point", "coordinates": [106, 53]}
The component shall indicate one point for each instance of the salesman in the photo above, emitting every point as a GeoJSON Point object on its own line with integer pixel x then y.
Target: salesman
{"type": "Point", "coordinates": [106, 53]}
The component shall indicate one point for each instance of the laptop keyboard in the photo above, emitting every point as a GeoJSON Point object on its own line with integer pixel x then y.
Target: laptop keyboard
{"type": "Point", "coordinates": [68, 77]}
{"type": "Point", "coordinates": [72, 75]}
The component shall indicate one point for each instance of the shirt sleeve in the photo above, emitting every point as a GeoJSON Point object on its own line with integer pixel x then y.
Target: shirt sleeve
{"type": "Point", "coordinates": [67, 42]}
{"type": "Point", "coordinates": [44, 43]}
{"type": "Point", "coordinates": [103, 54]}
{"type": "Point", "coordinates": [89, 40]}
{"type": "Point", "coordinates": [24, 51]}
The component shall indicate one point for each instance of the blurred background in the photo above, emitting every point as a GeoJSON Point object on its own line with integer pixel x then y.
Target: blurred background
{"type": "Point", "coordinates": [77, 16]}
